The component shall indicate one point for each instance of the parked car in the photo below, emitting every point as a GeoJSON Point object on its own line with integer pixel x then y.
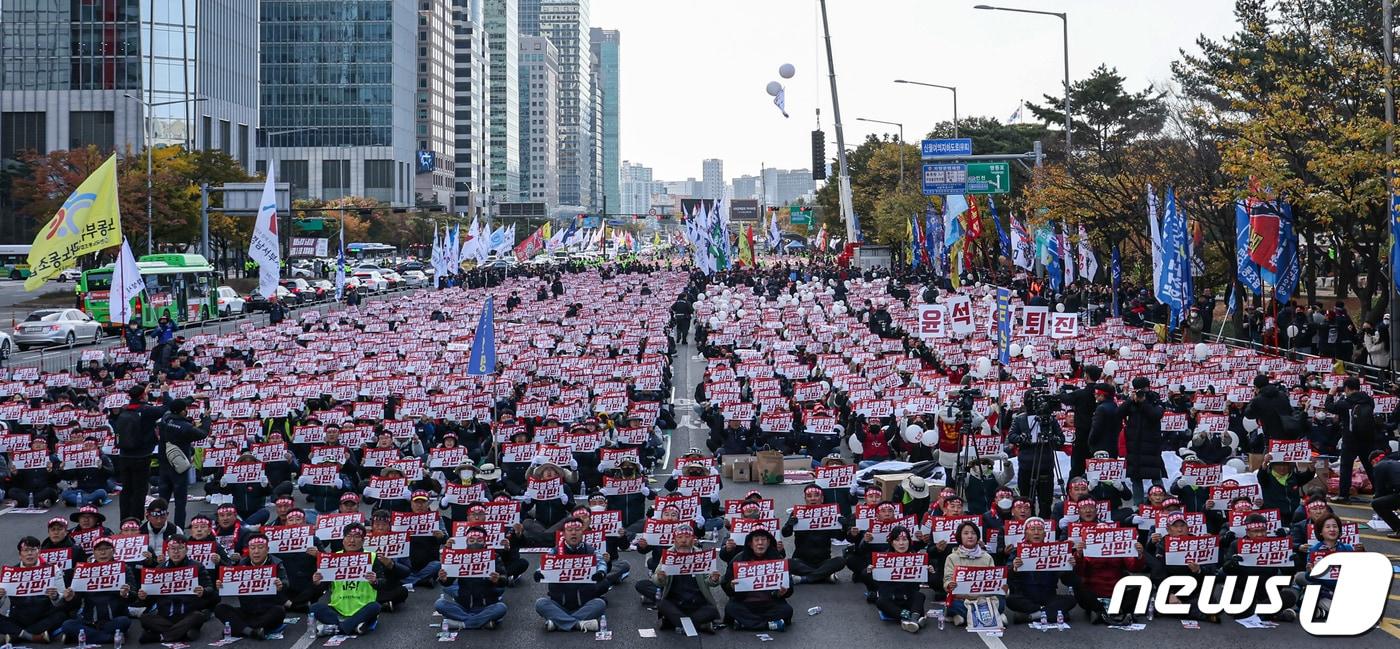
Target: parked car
{"type": "Point", "coordinates": [7, 346]}
{"type": "Point", "coordinates": [393, 277]}
{"type": "Point", "coordinates": [256, 302]}
{"type": "Point", "coordinates": [229, 302]}
{"type": "Point", "coordinates": [69, 275]}
{"type": "Point", "coordinates": [303, 289]}
{"type": "Point", "coordinates": [56, 327]}
{"type": "Point", "coordinates": [372, 280]}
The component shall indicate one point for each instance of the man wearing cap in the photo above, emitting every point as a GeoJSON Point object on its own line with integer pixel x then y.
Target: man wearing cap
{"type": "Point", "coordinates": [256, 616]}
{"type": "Point", "coordinates": [575, 606]}
{"type": "Point", "coordinates": [175, 618]}
{"type": "Point", "coordinates": [811, 560]}
{"type": "Point", "coordinates": [98, 615]}
{"type": "Point", "coordinates": [423, 550]}
{"type": "Point", "coordinates": [158, 527]}
{"type": "Point", "coordinates": [31, 617]}
{"type": "Point", "coordinates": [473, 602]}
{"type": "Point", "coordinates": [1270, 406]}
{"type": "Point", "coordinates": [352, 609]}
{"type": "Point", "coordinates": [177, 430]}
{"type": "Point", "coordinates": [58, 537]}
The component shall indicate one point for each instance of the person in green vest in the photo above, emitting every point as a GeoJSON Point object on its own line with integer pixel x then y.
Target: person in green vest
{"type": "Point", "coordinates": [352, 608]}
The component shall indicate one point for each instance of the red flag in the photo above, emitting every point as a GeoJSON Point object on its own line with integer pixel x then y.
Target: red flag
{"type": "Point", "coordinates": [972, 219]}
{"type": "Point", "coordinates": [1263, 229]}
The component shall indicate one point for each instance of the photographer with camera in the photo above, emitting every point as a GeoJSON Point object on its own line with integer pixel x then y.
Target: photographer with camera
{"type": "Point", "coordinates": [1142, 430]}
{"type": "Point", "coordinates": [1037, 435]}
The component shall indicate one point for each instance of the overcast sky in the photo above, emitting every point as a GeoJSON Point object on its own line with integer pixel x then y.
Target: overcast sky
{"type": "Point", "coordinates": [694, 71]}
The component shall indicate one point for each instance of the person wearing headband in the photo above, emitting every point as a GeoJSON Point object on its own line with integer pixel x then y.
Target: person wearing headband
{"type": "Point", "coordinates": [98, 615]}
{"type": "Point", "coordinates": [175, 618]}
{"type": "Point", "coordinates": [256, 616]}
{"type": "Point", "coordinates": [32, 617]}
{"type": "Point", "coordinates": [473, 602]}
{"type": "Point", "coordinates": [353, 608]}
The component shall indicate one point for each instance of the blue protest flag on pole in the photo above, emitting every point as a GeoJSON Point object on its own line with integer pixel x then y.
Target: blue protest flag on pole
{"type": "Point", "coordinates": [1175, 260]}
{"type": "Point", "coordinates": [1052, 259]}
{"type": "Point", "coordinates": [1286, 280]}
{"type": "Point", "coordinates": [483, 358]}
{"type": "Point", "coordinates": [1117, 279]}
{"type": "Point", "coordinates": [1245, 268]}
{"type": "Point", "coordinates": [1003, 237]}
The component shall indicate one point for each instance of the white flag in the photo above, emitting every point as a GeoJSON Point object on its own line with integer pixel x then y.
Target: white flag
{"type": "Point", "coordinates": [780, 100]}
{"type": "Point", "coordinates": [264, 247]}
{"type": "Point", "coordinates": [1088, 263]}
{"type": "Point", "coordinates": [126, 285]}
{"type": "Point", "coordinates": [1155, 229]}
{"type": "Point", "coordinates": [340, 265]}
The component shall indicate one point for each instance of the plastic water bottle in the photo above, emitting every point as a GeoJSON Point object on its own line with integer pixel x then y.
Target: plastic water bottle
{"type": "Point", "coordinates": [117, 639]}
{"type": "Point", "coordinates": [1060, 619]}
{"type": "Point", "coordinates": [31, 500]}
{"type": "Point", "coordinates": [603, 623]}
{"type": "Point", "coordinates": [444, 627]}
{"type": "Point", "coordinates": [1151, 611]}
{"type": "Point", "coordinates": [82, 633]}
{"type": "Point", "coordinates": [815, 610]}
{"type": "Point", "coordinates": [228, 631]}
{"type": "Point", "coordinates": [942, 617]}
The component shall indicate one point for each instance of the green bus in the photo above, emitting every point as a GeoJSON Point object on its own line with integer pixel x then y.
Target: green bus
{"type": "Point", "coordinates": [14, 261]}
{"type": "Point", "coordinates": [177, 285]}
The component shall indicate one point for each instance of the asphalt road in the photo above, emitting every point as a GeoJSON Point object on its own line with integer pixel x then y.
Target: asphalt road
{"type": "Point", "coordinates": [845, 621]}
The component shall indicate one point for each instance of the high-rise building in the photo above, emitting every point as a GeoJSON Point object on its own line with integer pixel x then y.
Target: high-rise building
{"type": "Point", "coordinates": [636, 189]}
{"type": "Point", "coordinates": [435, 101]}
{"type": "Point", "coordinates": [471, 88]}
{"type": "Point", "coordinates": [783, 186]}
{"type": "Point", "coordinates": [529, 17]}
{"type": "Point", "coordinates": [745, 187]}
{"type": "Point", "coordinates": [606, 44]}
{"type": "Point", "coordinates": [539, 121]}
{"type": "Point", "coordinates": [595, 140]}
{"type": "Point", "coordinates": [338, 98]}
{"type": "Point", "coordinates": [713, 178]}
{"type": "Point", "coordinates": [77, 74]}
{"type": "Point", "coordinates": [503, 44]}
{"type": "Point", "coordinates": [565, 23]}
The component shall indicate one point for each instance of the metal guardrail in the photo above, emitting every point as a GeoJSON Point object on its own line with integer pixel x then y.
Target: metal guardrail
{"type": "Point", "coordinates": [67, 356]}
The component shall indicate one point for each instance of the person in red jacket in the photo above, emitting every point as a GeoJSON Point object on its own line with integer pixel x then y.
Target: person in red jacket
{"type": "Point", "coordinates": [1097, 578]}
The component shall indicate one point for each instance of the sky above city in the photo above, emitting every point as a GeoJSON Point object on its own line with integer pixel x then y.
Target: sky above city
{"type": "Point", "coordinates": [694, 71]}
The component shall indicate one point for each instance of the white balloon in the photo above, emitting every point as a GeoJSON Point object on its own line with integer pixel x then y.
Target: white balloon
{"type": "Point", "coordinates": [741, 313]}
{"type": "Point", "coordinates": [1201, 351]}
{"type": "Point", "coordinates": [984, 366]}
{"type": "Point", "coordinates": [1250, 425]}
{"type": "Point", "coordinates": [1125, 351]}
{"type": "Point", "coordinates": [1015, 349]}
{"type": "Point", "coordinates": [1110, 368]}
{"type": "Point", "coordinates": [786, 70]}
{"type": "Point", "coordinates": [1060, 308]}
{"type": "Point", "coordinates": [1028, 351]}
{"type": "Point", "coordinates": [714, 323]}
{"type": "Point", "coordinates": [930, 438]}
{"type": "Point", "coordinates": [853, 442]}
{"type": "Point", "coordinates": [913, 433]}
{"type": "Point", "coordinates": [700, 296]}
{"type": "Point", "coordinates": [774, 88]}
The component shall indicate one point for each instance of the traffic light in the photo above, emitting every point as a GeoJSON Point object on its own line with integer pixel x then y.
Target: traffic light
{"type": "Point", "coordinates": [818, 155]}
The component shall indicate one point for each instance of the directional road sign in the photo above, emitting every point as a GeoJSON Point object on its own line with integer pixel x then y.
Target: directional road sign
{"type": "Point", "coordinates": [988, 177]}
{"type": "Point", "coordinates": [944, 179]}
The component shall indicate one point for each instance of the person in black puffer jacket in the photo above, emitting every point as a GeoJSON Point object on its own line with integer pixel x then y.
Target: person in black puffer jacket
{"type": "Point", "coordinates": [256, 615]}
{"type": "Point", "coordinates": [1268, 407]}
{"type": "Point", "coordinates": [178, 430]}
{"type": "Point", "coordinates": [1142, 428]}
{"type": "Point", "coordinates": [757, 610]}
{"type": "Point", "coordinates": [473, 602]}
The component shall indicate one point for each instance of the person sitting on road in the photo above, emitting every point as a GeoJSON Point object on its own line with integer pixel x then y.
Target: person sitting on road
{"type": "Point", "coordinates": [352, 609]}
{"type": "Point", "coordinates": [473, 602]}
{"type": "Point", "coordinates": [256, 616]}
{"type": "Point", "coordinates": [686, 596]}
{"type": "Point", "coordinates": [764, 610]}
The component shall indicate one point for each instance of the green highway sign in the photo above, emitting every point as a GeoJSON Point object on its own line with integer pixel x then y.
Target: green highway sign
{"type": "Point", "coordinates": [988, 177]}
{"type": "Point", "coordinates": [799, 216]}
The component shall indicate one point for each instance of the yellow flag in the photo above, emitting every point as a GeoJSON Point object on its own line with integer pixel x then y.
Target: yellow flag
{"type": "Point", "coordinates": [89, 221]}
{"type": "Point", "coordinates": [546, 230]}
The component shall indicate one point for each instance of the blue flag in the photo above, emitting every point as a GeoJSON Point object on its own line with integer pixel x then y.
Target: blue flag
{"type": "Point", "coordinates": [1176, 262]}
{"type": "Point", "coordinates": [1003, 236]}
{"type": "Point", "coordinates": [1052, 260]}
{"type": "Point", "coordinates": [1232, 302]}
{"type": "Point", "coordinates": [1395, 233]}
{"type": "Point", "coordinates": [483, 358]}
{"type": "Point", "coordinates": [1117, 279]}
{"type": "Point", "coordinates": [1246, 269]}
{"type": "Point", "coordinates": [1285, 281]}
{"type": "Point", "coordinates": [933, 237]}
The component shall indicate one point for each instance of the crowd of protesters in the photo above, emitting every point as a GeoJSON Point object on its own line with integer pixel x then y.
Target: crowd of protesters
{"type": "Point", "coordinates": [364, 437]}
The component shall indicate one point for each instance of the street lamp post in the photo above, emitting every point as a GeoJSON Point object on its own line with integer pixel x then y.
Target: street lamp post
{"type": "Point", "coordinates": [935, 85]}
{"type": "Point", "coordinates": [1064, 20]}
{"type": "Point", "coordinates": [844, 178]}
{"type": "Point", "coordinates": [1394, 331]}
{"type": "Point", "coordinates": [901, 143]}
{"type": "Point", "coordinates": [146, 136]}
